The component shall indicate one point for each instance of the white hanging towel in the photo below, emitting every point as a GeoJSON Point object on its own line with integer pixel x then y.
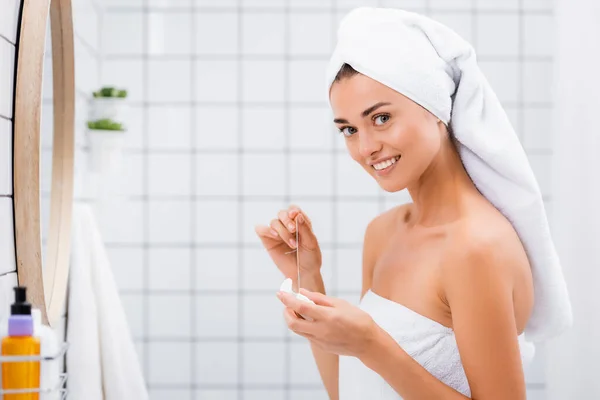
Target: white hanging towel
{"type": "Point", "coordinates": [432, 65]}
{"type": "Point", "coordinates": [121, 375]}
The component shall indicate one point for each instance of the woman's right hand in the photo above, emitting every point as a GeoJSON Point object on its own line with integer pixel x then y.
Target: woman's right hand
{"type": "Point", "coordinates": [279, 239]}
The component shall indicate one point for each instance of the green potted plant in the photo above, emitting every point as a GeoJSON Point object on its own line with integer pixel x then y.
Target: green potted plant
{"type": "Point", "coordinates": [106, 128]}
{"type": "Point", "coordinates": [108, 103]}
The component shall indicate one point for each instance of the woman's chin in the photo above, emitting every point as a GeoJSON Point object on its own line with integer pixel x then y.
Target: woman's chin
{"type": "Point", "coordinates": [391, 186]}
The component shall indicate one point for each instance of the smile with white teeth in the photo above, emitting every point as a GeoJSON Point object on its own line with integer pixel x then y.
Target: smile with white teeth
{"type": "Point", "coordinates": [386, 163]}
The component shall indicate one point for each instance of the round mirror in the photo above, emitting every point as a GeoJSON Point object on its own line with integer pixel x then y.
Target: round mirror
{"type": "Point", "coordinates": [43, 153]}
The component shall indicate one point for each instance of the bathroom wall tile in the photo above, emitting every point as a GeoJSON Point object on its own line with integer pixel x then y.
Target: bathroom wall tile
{"type": "Point", "coordinates": [216, 128]}
{"type": "Point", "coordinates": [169, 80]}
{"type": "Point", "coordinates": [86, 63]}
{"type": "Point", "coordinates": [311, 34]}
{"type": "Point", "coordinates": [217, 316]}
{"type": "Point", "coordinates": [352, 179]}
{"type": "Point", "coordinates": [169, 316]}
{"type": "Point", "coordinates": [169, 174]}
{"type": "Point", "coordinates": [542, 168]}
{"type": "Point", "coordinates": [126, 74]}
{"type": "Point", "coordinates": [309, 394]}
{"type": "Point", "coordinates": [538, 130]}
{"type": "Point", "coordinates": [86, 22]}
{"type": "Point", "coordinates": [497, 4]}
{"type": "Point", "coordinates": [216, 33]}
{"type": "Point", "coordinates": [263, 81]}
{"type": "Point", "coordinates": [503, 78]}
{"type": "Point", "coordinates": [166, 4]}
{"type": "Point", "coordinates": [497, 35]}
{"type": "Point", "coordinates": [346, 5]}
{"type": "Point", "coordinates": [263, 128]}
{"type": "Point", "coordinates": [264, 394]}
{"type": "Point", "coordinates": [134, 138]}
{"type": "Point", "coordinates": [216, 81]}
{"type": "Point", "coordinates": [7, 71]}
{"type": "Point", "coordinates": [410, 5]}
{"type": "Point", "coordinates": [133, 304]}
{"type": "Point", "coordinates": [514, 117]}
{"type": "Point", "coordinates": [349, 269]}
{"type": "Point", "coordinates": [536, 394]}
{"type": "Point", "coordinates": [264, 174]}
{"type": "Point", "coordinates": [115, 4]}
{"type": "Point", "coordinates": [217, 269]}
{"type": "Point", "coordinates": [262, 315]}
{"type": "Point", "coordinates": [169, 33]}
{"type": "Point", "coordinates": [263, 363]}
{"type": "Point", "coordinates": [170, 394]}
{"type": "Point", "coordinates": [323, 4]}
{"type": "Point", "coordinates": [6, 169]}
{"type": "Point", "coordinates": [121, 221]}
{"type": "Point", "coordinates": [302, 364]}
{"type": "Point", "coordinates": [310, 88]}
{"type": "Point", "coordinates": [169, 127]}
{"type": "Point", "coordinates": [400, 197]}
{"type": "Point", "coordinates": [311, 175]}
{"type": "Point", "coordinates": [263, 33]}
{"type": "Point", "coordinates": [259, 272]}
{"type": "Point", "coordinates": [538, 35]}
{"type": "Point", "coordinates": [217, 175]}
{"type": "Point", "coordinates": [353, 218]}
{"type": "Point", "coordinates": [130, 181]}
{"type": "Point", "coordinates": [7, 297]}
{"type": "Point", "coordinates": [127, 266]}
{"type": "Point", "coordinates": [161, 359]}
{"type": "Point", "coordinates": [122, 33]}
{"type": "Point", "coordinates": [537, 81]}
{"type": "Point", "coordinates": [461, 23]}
{"type": "Point", "coordinates": [216, 363]}
{"type": "Point", "coordinates": [451, 4]}
{"type": "Point", "coordinates": [217, 222]}
{"type": "Point", "coordinates": [312, 128]}
{"type": "Point", "coordinates": [258, 213]}
{"type": "Point", "coordinates": [169, 269]}
{"type": "Point", "coordinates": [9, 20]}
{"type": "Point", "coordinates": [7, 239]}
{"type": "Point", "coordinates": [538, 5]}
{"type": "Point", "coordinates": [169, 221]}
{"type": "Point", "coordinates": [214, 394]}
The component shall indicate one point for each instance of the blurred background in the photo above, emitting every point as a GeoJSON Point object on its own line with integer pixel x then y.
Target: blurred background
{"type": "Point", "coordinates": [227, 122]}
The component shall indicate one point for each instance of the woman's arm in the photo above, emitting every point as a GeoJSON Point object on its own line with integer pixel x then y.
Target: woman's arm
{"type": "Point", "coordinates": [478, 287]}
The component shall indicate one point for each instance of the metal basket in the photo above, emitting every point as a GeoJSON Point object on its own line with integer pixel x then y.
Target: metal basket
{"type": "Point", "coordinates": [60, 387]}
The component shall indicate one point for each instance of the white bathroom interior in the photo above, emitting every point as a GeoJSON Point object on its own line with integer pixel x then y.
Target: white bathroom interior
{"type": "Point", "coordinates": [227, 121]}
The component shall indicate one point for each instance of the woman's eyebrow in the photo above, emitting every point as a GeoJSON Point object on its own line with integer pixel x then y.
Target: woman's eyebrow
{"type": "Point", "coordinates": [364, 113]}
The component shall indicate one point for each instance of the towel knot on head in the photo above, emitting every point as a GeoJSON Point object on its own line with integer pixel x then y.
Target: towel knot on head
{"type": "Point", "coordinates": [436, 68]}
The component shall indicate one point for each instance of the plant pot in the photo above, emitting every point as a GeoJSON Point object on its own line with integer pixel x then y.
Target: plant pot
{"type": "Point", "coordinates": [106, 150]}
{"type": "Point", "coordinates": [114, 108]}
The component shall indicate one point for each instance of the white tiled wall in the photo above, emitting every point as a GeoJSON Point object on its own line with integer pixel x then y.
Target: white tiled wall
{"type": "Point", "coordinates": [229, 124]}
{"type": "Point", "coordinates": [8, 35]}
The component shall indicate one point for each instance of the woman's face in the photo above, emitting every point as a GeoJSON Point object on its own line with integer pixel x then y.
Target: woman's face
{"type": "Point", "coordinates": [392, 137]}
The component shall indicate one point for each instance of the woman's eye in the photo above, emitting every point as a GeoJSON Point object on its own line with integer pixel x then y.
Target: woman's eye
{"type": "Point", "coordinates": [381, 119]}
{"type": "Point", "coordinates": [348, 131]}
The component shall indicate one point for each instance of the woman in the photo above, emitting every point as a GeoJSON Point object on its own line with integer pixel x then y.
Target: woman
{"type": "Point", "coordinates": [448, 286]}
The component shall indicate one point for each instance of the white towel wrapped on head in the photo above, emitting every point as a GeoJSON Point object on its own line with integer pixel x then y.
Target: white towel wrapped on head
{"type": "Point", "coordinates": [433, 66]}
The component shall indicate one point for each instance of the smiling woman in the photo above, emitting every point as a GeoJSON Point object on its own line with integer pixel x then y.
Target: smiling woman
{"type": "Point", "coordinates": [448, 280]}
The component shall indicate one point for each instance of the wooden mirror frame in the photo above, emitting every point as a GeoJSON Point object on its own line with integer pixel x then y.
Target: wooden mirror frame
{"type": "Point", "coordinates": [47, 285]}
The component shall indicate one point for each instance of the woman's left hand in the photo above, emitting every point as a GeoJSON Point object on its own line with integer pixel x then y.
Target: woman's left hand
{"type": "Point", "coordinates": [337, 326]}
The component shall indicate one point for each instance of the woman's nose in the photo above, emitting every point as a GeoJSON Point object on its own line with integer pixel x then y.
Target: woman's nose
{"type": "Point", "coordinates": [368, 145]}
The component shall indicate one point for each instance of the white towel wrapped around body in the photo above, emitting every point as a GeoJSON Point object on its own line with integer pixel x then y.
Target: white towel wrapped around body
{"type": "Point", "coordinates": [432, 65]}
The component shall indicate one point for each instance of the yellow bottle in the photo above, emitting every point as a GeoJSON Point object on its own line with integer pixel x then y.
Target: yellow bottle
{"type": "Point", "coordinates": [20, 342]}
